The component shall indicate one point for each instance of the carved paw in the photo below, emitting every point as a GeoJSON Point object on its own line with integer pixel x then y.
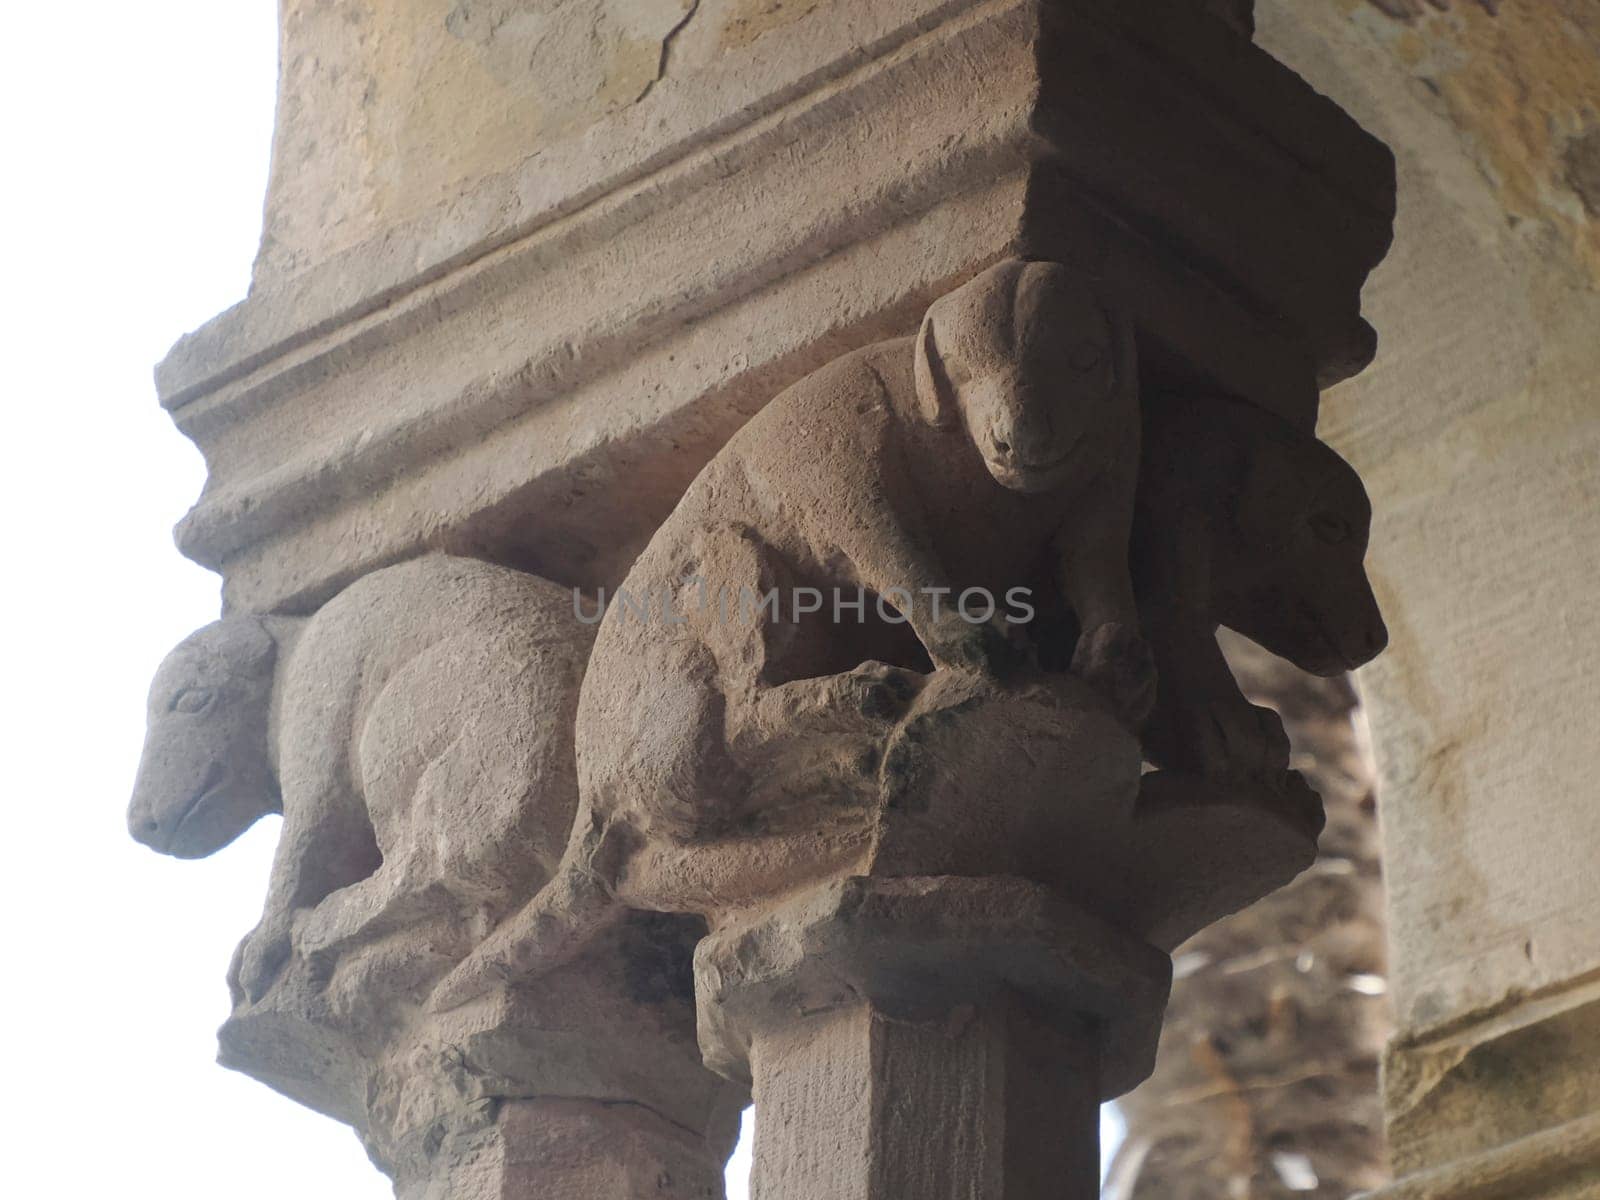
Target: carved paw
{"type": "Point", "coordinates": [1116, 661]}
{"type": "Point", "coordinates": [320, 968]}
{"type": "Point", "coordinates": [1245, 740]}
{"type": "Point", "coordinates": [317, 930]}
{"type": "Point", "coordinates": [475, 977]}
{"type": "Point", "coordinates": [258, 961]}
{"type": "Point", "coordinates": [318, 946]}
{"type": "Point", "coordinates": [1234, 737]}
{"type": "Point", "coordinates": [956, 644]}
{"type": "Point", "coordinates": [878, 691]}
{"type": "Point", "coordinates": [862, 700]}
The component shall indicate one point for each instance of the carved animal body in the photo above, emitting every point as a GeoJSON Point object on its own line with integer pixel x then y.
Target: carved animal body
{"type": "Point", "coordinates": [733, 754]}
{"type": "Point", "coordinates": [418, 730]}
{"type": "Point", "coordinates": [1244, 522]}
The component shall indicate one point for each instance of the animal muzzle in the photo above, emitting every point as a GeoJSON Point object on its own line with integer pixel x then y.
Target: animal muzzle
{"type": "Point", "coordinates": [1029, 456]}
{"type": "Point", "coordinates": [1366, 641]}
{"type": "Point", "coordinates": [1024, 437]}
{"type": "Point", "coordinates": [165, 804]}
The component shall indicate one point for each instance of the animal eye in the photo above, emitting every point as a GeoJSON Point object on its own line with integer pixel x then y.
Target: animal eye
{"type": "Point", "coordinates": [192, 700]}
{"type": "Point", "coordinates": [1086, 356]}
{"type": "Point", "coordinates": [1330, 528]}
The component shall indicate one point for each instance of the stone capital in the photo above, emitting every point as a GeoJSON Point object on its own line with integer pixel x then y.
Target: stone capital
{"type": "Point", "coordinates": [936, 1036]}
{"type": "Point", "coordinates": [909, 299]}
{"type": "Point", "coordinates": [921, 948]}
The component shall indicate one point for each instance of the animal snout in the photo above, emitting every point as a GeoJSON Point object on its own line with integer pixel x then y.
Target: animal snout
{"type": "Point", "coordinates": [1369, 643]}
{"type": "Point", "coordinates": [1363, 638]}
{"type": "Point", "coordinates": [1026, 440]}
{"type": "Point", "coordinates": [144, 827]}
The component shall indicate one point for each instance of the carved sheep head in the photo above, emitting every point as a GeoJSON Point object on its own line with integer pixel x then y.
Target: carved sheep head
{"type": "Point", "coordinates": [1303, 519]}
{"type": "Point", "coordinates": [1030, 363]}
{"type": "Point", "coordinates": [206, 775]}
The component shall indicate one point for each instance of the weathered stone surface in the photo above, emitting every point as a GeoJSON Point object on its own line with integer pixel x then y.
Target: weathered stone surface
{"type": "Point", "coordinates": [519, 335]}
{"type": "Point", "coordinates": [420, 389]}
{"type": "Point", "coordinates": [1554, 1164]}
{"type": "Point", "coordinates": [775, 771]}
{"type": "Point", "coordinates": [565, 1148]}
{"type": "Point", "coordinates": [928, 1036]}
{"type": "Point", "coordinates": [1458, 1093]}
{"type": "Point", "coordinates": [416, 733]}
{"type": "Point", "coordinates": [468, 1102]}
{"type": "Point", "coordinates": [982, 1102]}
{"type": "Point", "coordinates": [730, 752]}
{"type": "Point", "coordinates": [1484, 552]}
{"type": "Point", "coordinates": [393, 112]}
{"type": "Point", "coordinates": [919, 948]}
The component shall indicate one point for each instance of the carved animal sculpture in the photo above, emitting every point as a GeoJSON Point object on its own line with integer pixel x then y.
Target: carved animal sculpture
{"type": "Point", "coordinates": [1243, 522]}
{"type": "Point", "coordinates": [723, 758]}
{"type": "Point", "coordinates": [416, 734]}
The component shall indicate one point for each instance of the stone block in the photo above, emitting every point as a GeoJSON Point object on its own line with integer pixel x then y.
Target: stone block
{"type": "Point", "coordinates": [533, 369]}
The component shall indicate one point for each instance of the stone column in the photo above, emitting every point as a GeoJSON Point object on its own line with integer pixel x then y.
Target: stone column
{"type": "Point", "coordinates": [524, 283]}
{"type": "Point", "coordinates": [953, 1034]}
{"type": "Point", "coordinates": [1482, 712]}
{"type": "Point", "coordinates": [525, 1149]}
{"type": "Point", "coordinates": [938, 1037]}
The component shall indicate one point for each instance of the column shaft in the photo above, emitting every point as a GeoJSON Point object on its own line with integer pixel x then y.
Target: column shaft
{"type": "Point", "coordinates": [986, 1102]}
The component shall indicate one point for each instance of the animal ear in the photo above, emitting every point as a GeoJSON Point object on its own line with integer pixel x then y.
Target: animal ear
{"type": "Point", "coordinates": [250, 650]}
{"type": "Point", "coordinates": [935, 393]}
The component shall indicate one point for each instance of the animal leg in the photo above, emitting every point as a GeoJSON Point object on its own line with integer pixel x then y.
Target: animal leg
{"type": "Point", "coordinates": [1111, 655]}
{"type": "Point", "coordinates": [1202, 723]}
{"type": "Point", "coordinates": [547, 931]}
{"type": "Point", "coordinates": [895, 563]}
{"type": "Point", "coordinates": [398, 895]}
{"type": "Point", "coordinates": [865, 699]}
{"type": "Point", "coordinates": [325, 845]}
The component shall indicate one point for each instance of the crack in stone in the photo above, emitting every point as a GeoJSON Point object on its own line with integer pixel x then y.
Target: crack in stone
{"type": "Point", "coordinates": [666, 48]}
{"type": "Point", "coordinates": [1410, 10]}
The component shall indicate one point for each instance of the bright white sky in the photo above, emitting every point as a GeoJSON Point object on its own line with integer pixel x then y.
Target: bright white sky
{"type": "Point", "coordinates": [136, 141]}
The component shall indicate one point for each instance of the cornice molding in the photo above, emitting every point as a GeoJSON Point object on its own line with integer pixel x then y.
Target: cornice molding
{"type": "Point", "coordinates": [607, 316]}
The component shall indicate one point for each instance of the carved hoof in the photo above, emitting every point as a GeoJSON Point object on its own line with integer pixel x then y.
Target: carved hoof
{"type": "Point", "coordinates": [1116, 661]}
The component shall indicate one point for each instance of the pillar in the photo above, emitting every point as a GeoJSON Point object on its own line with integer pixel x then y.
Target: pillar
{"type": "Point", "coordinates": [522, 283]}
{"type": "Point", "coordinates": [939, 1037]}
{"type": "Point", "coordinates": [1478, 710]}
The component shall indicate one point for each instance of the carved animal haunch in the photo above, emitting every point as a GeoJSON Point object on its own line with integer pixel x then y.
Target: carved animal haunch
{"type": "Point", "coordinates": [1243, 522]}
{"type": "Point", "coordinates": [728, 751]}
{"type": "Point", "coordinates": [416, 734]}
